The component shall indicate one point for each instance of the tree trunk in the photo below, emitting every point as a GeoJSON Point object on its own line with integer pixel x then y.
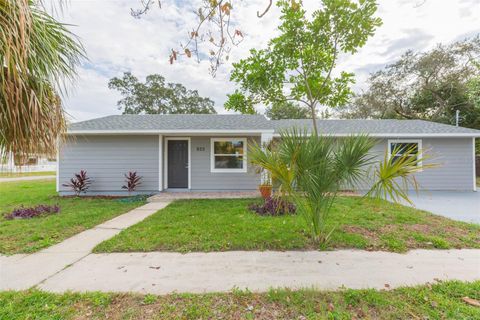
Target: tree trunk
{"type": "Point", "coordinates": [314, 119]}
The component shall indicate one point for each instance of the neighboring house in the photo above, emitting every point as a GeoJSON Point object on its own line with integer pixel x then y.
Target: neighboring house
{"type": "Point", "coordinates": [209, 152]}
{"type": "Point", "coordinates": [30, 163]}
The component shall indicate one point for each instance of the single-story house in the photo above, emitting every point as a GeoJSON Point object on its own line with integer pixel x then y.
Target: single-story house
{"type": "Point", "coordinates": [209, 152]}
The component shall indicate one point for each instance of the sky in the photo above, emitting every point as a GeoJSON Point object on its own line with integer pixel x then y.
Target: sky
{"type": "Point", "coordinates": [115, 43]}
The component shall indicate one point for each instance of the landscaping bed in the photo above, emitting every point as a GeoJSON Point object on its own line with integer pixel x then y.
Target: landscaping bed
{"type": "Point", "coordinates": [227, 224]}
{"type": "Point", "coordinates": [437, 301]}
{"type": "Point", "coordinates": [74, 215]}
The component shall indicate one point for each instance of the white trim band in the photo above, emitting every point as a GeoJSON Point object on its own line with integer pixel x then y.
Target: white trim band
{"type": "Point", "coordinates": [401, 135]}
{"type": "Point", "coordinates": [474, 165]}
{"type": "Point", "coordinates": [187, 131]}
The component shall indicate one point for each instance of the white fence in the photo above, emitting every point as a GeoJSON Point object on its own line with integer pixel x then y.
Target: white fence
{"type": "Point", "coordinates": [38, 164]}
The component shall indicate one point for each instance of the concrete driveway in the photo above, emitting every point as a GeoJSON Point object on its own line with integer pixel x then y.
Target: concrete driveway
{"type": "Point", "coordinates": [463, 206]}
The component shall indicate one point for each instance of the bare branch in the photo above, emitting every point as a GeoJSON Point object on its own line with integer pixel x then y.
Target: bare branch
{"type": "Point", "coordinates": [214, 28]}
{"type": "Point", "coordinates": [265, 11]}
{"type": "Point", "coordinates": [419, 4]}
{"type": "Point", "coordinates": [146, 5]}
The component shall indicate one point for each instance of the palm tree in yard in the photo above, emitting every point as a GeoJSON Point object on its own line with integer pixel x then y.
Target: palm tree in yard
{"type": "Point", "coordinates": [311, 170]}
{"type": "Point", "coordinates": [38, 56]}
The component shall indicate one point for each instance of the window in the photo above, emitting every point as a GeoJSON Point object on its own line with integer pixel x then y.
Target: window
{"type": "Point", "coordinates": [396, 148]}
{"type": "Point", "coordinates": [228, 155]}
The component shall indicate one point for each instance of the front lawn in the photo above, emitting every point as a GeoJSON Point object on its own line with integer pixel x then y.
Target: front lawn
{"type": "Point", "coordinates": [437, 301]}
{"type": "Point", "coordinates": [226, 224]}
{"type": "Point", "coordinates": [76, 215]}
{"type": "Point", "coordinates": [26, 174]}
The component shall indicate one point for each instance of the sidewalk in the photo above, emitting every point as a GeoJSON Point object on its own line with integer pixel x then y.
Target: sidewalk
{"type": "Point", "coordinates": [162, 273]}
{"type": "Point", "coordinates": [22, 271]}
{"type": "Point", "coordinates": [26, 178]}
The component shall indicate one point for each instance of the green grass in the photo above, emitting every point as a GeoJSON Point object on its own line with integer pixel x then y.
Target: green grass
{"type": "Point", "coordinates": [26, 174]}
{"type": "Point", "coordinates": [226, 224]}
{"type": "Point", "coordinates": [437, 301]}
{"type": "Point", "coordinates": [30, 235]}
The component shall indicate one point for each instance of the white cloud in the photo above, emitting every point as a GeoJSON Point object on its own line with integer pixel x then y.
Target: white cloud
{"type": "Point", "coordinates": [116, 42]}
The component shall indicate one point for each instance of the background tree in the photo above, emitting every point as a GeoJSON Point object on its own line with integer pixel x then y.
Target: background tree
{"type": "Point", "coordinates": [155, 96]}
{"type": "Point", "coordinates": [298, 64]}
{"type": "Point", "coordinates": [473, 93]}
{"type": "Point", "coordinates": [287, 110]}
{"type": "Point", "coordinates": [37, 56]}
{"type": "Point", "coordinates": [428, 85]}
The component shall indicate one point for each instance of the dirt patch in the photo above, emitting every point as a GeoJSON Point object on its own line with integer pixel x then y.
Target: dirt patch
{"type": "Point", "coordinates": [373, 237]}
{"type": "Point", "coordinates": [451, 231]}
{"type": "Point", "coordinates": [362, 231]}
{"type": "Point", "coordinates": [225, 306]}
{"type": "Point", "coordinates": [454, 235]}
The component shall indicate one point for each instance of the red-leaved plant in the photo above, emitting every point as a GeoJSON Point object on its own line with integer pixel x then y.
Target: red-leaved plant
{"type": "Point", "coordinates": [132, 181]}
{"type": "Point", "coordinates": [79, 183]}
{"type": "Point", "coordinates": [32, 212]}
{"type": "Point", "coordinates": [273, 206]}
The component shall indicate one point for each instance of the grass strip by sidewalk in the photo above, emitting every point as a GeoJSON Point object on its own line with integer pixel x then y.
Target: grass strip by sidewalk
{"type": "Point", "coordinates": [76, 215]}
{"type": "Point", "coordinates": [227, 224]}
{"type": "Point", "coordinates": [437, 301]}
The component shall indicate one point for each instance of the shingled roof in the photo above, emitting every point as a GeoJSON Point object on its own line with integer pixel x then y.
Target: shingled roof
{"type": "Point", "coordinates": [194, 122]}
{"type": "Point", "coordinates": [376, 127]}
{"type": "Point", "coordinates": [256, 123]}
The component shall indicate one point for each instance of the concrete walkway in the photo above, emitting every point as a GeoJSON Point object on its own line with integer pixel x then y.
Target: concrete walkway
{"type": "Point", "coordinates": [179, 195]}
{"type": "Point", "coordinates": [26, 178]}
{"type": "Point", "coordinates": [162, 273]}
{"type": "Point", "coordinates": [24, 271]}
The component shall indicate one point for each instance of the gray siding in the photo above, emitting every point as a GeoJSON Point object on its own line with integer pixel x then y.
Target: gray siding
{"type": "Point", "coordinates": [107, 158]}
{"type": "Point", "coordinates": [454, 156]}
{"type": "Point", "coordinates": [203, 179]}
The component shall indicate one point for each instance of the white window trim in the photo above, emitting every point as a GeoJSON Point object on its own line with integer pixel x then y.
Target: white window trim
{"type": "Point", "coordinates": [212, 156]}
{"type": "Point", "coordinates": [474, 166]}
{"type": "Point", "coordinates": [57, 179]}
{"type": "Point", "coordinates": [417, 141]}
{"type": "Point", "coordinates": [160, 162]}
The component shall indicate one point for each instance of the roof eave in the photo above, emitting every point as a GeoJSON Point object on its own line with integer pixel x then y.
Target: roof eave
{"type": "Point", "coordinates": [180, 131]}
{"type": "Point", "coordinates": [404, 135]}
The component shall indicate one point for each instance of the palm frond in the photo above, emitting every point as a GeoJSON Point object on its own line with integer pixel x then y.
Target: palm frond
{"type": "Point", "coordinates": [39, 56]}
{"type": "Point", "coordinates": [394, 176]}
